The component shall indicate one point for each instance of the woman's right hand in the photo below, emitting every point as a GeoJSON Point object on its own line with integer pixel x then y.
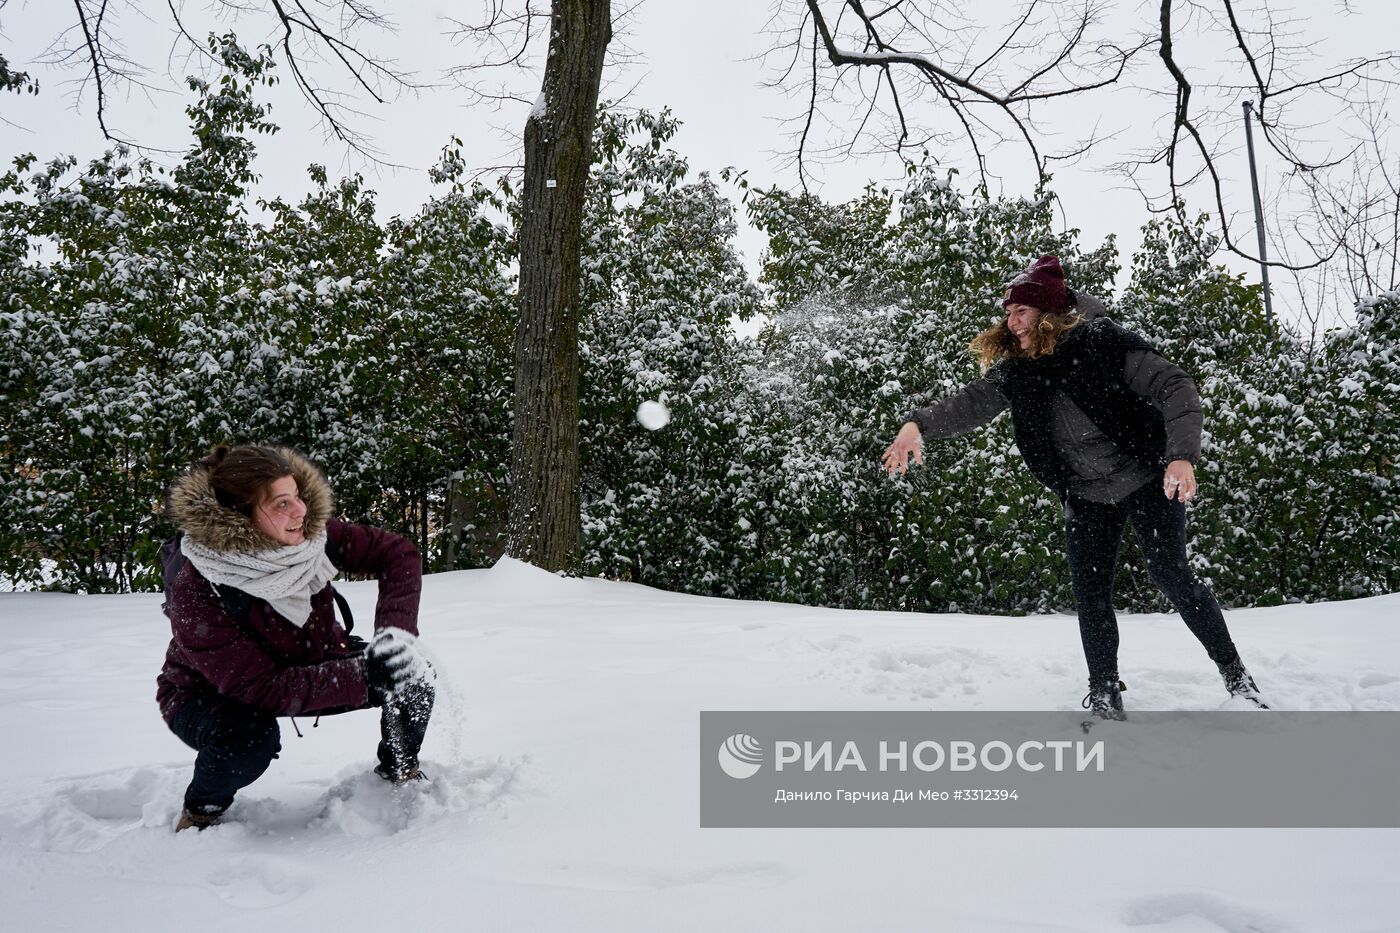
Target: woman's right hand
{"type": "Point", "coordinates": [907, 441]}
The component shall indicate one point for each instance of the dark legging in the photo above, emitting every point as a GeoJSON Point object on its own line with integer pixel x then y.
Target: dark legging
{"type": "Point", "coordinates": [1094, 534]}
{"type": "Point", "coordinates": [237, 742]}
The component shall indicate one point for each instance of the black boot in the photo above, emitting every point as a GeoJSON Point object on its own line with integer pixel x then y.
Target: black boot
{"type": "Point", "coordinates": [1105, 699]}
{"type": "Point", "coordinates": [199, 819]}
{"type": "Point", "coordinates": [400, 778]}
{"type": "Point", "coordinates": [1240, 684]}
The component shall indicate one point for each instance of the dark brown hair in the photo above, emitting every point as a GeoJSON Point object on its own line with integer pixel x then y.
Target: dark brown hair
{"type": "Point", "coordinates": [240, 475]}
{"type": "Point", "coordinates": [997, 341]}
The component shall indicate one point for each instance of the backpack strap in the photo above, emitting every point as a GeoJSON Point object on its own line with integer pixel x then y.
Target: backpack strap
{"type": "Point", "coordinates": [171, 560]}
{"type": "Point", "coordinates": [345, 613]}
{"type": "Point", "coordinates": [333, 553]}
{"type": "Point", "coordinates": [235, 602]}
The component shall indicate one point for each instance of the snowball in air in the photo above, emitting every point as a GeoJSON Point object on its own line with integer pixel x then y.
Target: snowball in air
{"type": "Point", "coordinates": [653, 415]}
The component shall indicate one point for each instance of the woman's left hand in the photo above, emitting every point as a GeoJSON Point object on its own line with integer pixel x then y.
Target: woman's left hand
{"type": "Point", "coordinates": [1179, 482]}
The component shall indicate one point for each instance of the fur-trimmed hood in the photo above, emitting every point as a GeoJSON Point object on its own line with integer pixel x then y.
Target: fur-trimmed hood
{"type": "Point", "coordinates": [192, 506]}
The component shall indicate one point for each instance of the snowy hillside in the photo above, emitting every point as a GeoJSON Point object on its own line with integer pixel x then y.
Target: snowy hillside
{"type": "Point", "coordinates": [564, 796]}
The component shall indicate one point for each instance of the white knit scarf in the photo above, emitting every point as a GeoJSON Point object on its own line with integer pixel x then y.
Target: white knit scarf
{"type": "Point", "coordinates": [286, 577]}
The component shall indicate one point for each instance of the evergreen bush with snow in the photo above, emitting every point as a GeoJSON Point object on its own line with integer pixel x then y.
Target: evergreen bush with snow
{"type": "Point", "coordinates": [662, 282]}
{"type": "Point", "coordinates": [146, 318]}
{"type": "Point", "coordinates": [1298, 490]}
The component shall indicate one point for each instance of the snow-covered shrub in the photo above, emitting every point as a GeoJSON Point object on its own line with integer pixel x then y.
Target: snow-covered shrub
{"type": "Point", "coordinates": [145, 317]}
{"type": "Point", "coordinates": [661, 283]}
{"type": "Point", "coordinates": [1296, 490]}
{"type": "Point", "coordinates": [400, 336]}
{"type": "Point", "coordinates": [117, 360]}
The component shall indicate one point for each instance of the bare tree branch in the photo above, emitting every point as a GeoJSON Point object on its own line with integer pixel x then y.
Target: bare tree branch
{"type": "Point", "coordinates": [945, 65]}
{"type": "Point", "coordinates": [311, 33]}
{"type": "Point", "coordinates": [95, 52]}
{"type": "Point", "coordinates": [1185, 126]}
{"type": "Point", "coordinates": [811, 111]}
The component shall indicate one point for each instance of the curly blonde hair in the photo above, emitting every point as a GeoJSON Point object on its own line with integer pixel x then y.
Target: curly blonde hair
{"type": "Point", "coordinates": [998, 342]}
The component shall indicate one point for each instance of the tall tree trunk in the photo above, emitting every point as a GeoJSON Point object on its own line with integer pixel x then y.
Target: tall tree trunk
{"type": "Point", "coordinates": [544, 515]}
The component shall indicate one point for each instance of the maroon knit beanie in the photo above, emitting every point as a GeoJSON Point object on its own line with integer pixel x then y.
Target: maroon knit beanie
{"type": "Point", "coordinates": [1042, 286]}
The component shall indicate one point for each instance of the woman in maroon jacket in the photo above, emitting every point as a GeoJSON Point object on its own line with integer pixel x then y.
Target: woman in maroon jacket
{"type": "Point", "coordinates": [254, 629]}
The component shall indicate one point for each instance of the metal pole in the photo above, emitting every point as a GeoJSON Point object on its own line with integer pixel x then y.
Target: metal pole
{"type": "Point", "coordinates": [449, 532]}
{"type": "Point", "coordinates": [1258, 216]}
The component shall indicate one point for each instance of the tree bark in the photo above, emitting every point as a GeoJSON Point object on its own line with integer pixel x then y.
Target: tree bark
{"type": "Point", "coordinates": [544, 517]}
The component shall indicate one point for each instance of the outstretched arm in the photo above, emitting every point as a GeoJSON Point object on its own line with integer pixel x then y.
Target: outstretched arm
{"type": "Point", "coordinates": [976, 404]}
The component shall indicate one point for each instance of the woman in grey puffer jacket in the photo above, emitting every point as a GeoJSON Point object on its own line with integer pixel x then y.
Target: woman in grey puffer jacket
{"type": "Point", "coordinates": [1099, 416]}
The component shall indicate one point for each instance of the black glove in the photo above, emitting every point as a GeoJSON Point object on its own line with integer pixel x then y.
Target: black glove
{"type": "Point", "coordinates": [393, 661]}
{"type": "Point", "coordinates": [377, 675]}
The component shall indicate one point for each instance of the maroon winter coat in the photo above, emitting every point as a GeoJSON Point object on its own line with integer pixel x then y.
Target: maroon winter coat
{"type": "Point", "coordinates": [266, 661]}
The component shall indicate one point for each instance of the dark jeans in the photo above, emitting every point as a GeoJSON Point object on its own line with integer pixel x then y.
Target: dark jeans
{"type": "Point", "coordinates": [1094, 534]}
{"type": "Point", "coordinates": [237, 742]}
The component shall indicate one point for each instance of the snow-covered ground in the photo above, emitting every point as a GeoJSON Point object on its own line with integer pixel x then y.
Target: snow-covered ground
{"type": "Point", "coordinates": [564, 793]}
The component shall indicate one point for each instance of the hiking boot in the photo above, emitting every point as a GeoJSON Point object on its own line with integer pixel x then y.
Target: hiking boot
{"type": "Point", "coordinates": [1240, 684]}
{"type": "Point", "coordinates": [1105, 699]}
{"type": "Point", "coordinates": [198, 819]}
{"type": "Point", "coordinates": [400, 777]}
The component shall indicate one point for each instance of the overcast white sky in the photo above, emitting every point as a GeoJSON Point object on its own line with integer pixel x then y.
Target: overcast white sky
{"type": "Point", "coordinates": [703, 59]}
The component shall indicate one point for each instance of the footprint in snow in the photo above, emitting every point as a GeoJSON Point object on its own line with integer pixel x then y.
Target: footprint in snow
{"type": "Point", "coordinates": [907, 673]}
{"type": "Point", "coordinates": [258, 882]}
{"type": "Point", "coordinates": [835, 642]}
{"type": "Point", "coordinates": [1229, 917]}
{"type": "Point", "coordinates": [88, 813]}
{"type": "Point", "coordinates": [363, 804]}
